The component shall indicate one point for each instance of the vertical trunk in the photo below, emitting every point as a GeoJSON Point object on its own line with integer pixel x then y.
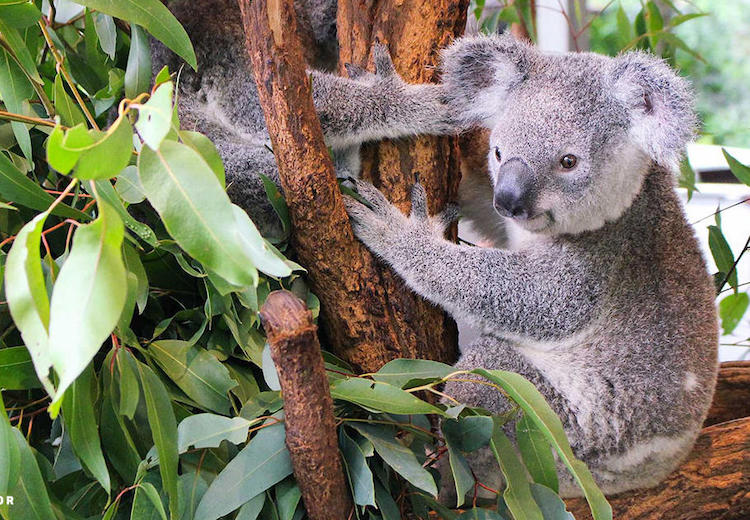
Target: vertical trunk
{"type": "Point", "coordinates": [414, 31]}
{"type": "Point", "coordinates": [368, 316]}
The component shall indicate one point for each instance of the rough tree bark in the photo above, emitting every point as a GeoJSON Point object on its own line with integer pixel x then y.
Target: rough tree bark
{"type": "Point", "coordinates": [308, 407]}
{"type": "Point", "coordinates": [414, 31]}
{"type": "Point", "coordinates": [368, 317]}
{"type": "Point", "coordinates": [713, 484]}
{"type": "Point", "coordinates": [732, 397]}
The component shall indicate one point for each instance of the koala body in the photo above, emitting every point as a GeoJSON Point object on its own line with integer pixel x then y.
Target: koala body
{"type": "Point", "coordinates": [221, 99]}
{"type": "Point", "coordinates": [602, 298]}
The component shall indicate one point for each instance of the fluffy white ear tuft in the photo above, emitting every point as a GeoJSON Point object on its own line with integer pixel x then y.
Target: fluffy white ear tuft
{"type": "Point", "coordinates": [478, 72]}
{"type": "Point", "coordinates": [660, 105]}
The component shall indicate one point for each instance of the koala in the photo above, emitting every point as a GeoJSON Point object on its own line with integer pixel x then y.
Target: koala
{"type": "Point", "coordinates": [601, 298]}
{"type": "Point", "coordinates": [221, 99]}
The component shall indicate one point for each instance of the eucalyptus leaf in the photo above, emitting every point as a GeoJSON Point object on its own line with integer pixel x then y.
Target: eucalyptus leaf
{"type": "Point", "coordinates": [17, 369]}
{"type": "Point", "coordinates": [261, 464]}
{"type": "Point", "coordinates": [382, 397]}
{"type": "Point", "coordinates": [536, 453]}
{"type": "Point", "coordinates": [138, 69]}
{"type": "Point", "coordinates": [360, 475]}
{"type": "Point", "coordinates": [154, 17]}
{"type": "Point", "coordinates": [400, 371]}
{"type": "Point", "coordinates": [88, 298]}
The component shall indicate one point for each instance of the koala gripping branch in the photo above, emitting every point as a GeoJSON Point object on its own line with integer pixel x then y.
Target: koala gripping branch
{"type": "Point", "coordinates": [367, 317]}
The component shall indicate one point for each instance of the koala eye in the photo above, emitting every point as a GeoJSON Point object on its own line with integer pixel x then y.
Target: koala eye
{"type": "Point", "coordinates": [569, 161]}
{"type": "Point", "coordinates": [498, 154]}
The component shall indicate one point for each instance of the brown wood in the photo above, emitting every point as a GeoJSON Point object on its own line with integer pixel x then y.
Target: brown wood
{"type": "Point", "coordinates": [712, 484]}
{"type": "Point", "coordinates": [414, 31]}
{"type": "Point", "coordinates": [732, 397]}
{"type": "Point", "coordinates": [368, 316]}
{"type": "Point", "coordinates": [308, 407]}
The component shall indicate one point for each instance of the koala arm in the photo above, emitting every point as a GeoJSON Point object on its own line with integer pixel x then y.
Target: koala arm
{"type": "Point", "coordinates": [508, 291]}
{"type": "Point", "coordinates": [368, 107]}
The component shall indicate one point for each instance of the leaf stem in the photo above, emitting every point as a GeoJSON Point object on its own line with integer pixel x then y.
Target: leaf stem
{"type": "Point", "coordinates": [68, 79]}
{"type": "Point", "coordinates": [9, 116]}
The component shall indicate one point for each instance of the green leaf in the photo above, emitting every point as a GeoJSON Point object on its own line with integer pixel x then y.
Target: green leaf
{"type": "Point", "coordinates": [164, 431]}
{"type": "Point", "coordinates": [741, 171]}
{"type": "Point", "coordinates": [399, 372]}
{"type": "Point", "coordinates": [654, 22]}
{"type": "Point", "coordinates": [17, 369]}
{"type": "Point", "coordinates": [20, 16]}
{"type": "Point", "coordinates": [279, 206]}
{"type": "Point", "coordinates": [203, 145]}
{"type": "Point", "coordinates": [265, 257]}
{"type": "Point", "coordinates": [195, 209]}
{"type": "Point", "coordinates": [129, 186]}
{"type": "Point", "coordinates": [130, 391]}
{"type": "Point", "coordinates": [732, 309]}
{"type": "Point", "coordinates": [107, 33]}
{"type": "Point", "coordinates": [252, 508]}
{"type": "Point", "coordinates": [138, 69]}
{"type": "Point", "coordinates": [141, 508]}
{"type": "Point", "coordinates": [199, 374]}
{"type": "Point", "coordinates": [687, 178]}
{"type": "Point", "coordinates": [722, 254]}
{"type": "Point", "coordinates": [288, 496]}
{"type": "Point", "coordinates": [26, 293]}
{"type": "Point", "coordinates": [10, 454]}
{"type": "Point", "coordinates": [106, 192]}
{"type": "Point", "coordinates": [387, 506]}
{"type": "Point", "coordinates": [154, 17]}
{"type": "Point", "coordinates": [15, 186]}
{"type": "Point", "coordinates": [359, 473]}
{"type": "Point", "coordinates": [397, 456]}
{"type": "Point", "coordinates": [536, 453]}
{"type": "Point", "coordinates": [624, 31]}
{"type": "Point", "coordinates": [470, 433]}
{"type": "Point", "coordinates": [14, 40]}
{"type": "Point", "coordinates": [207, 430]}
{"type": "Point", "coordinates": [30, 498]}
{"type": "Point", "coordinates": [155, 116]}
{"type": "Point", "coordinates": [536, 408]}
{"type": "Point", "coordinates": [81, 423]}
{"type": "Point", "coordinates": [552, 506]}
{"type": "Point", "coordinates": [462, 477]}
{"type": "Point", "coordinates": [109, 154]}
{"type": "Point", "coordinates": [261, 464]}
{"type": "Point", "coordinates": [15, 90]}
{"type": "Point", "coordinates": [379, 396]}
{"type": "Point", "coordinates": [70, 114]}
{"type": "Point", "coordinates": [192, 488]}
{"type": "Point", "coordinates": [88, 298]}
{"type": "Point", "coordinates": [517, 493]}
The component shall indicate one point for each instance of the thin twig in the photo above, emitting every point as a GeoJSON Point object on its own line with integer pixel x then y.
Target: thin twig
{"type": "Point", "coordinates": [68, 79]}
{"type": "Point", "coordinates": [9, 116]}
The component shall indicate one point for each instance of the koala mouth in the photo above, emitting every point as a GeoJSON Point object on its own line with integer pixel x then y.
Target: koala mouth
{"type": "Point", "coordinates": [538, 222]}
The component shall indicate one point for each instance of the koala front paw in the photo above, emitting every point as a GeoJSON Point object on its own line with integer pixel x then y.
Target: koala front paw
{"type": "Point", "coordinates": [383, 228]}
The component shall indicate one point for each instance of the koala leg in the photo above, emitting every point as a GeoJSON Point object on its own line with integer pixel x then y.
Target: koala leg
{"type": "Point", "coordinates": [494, 353]}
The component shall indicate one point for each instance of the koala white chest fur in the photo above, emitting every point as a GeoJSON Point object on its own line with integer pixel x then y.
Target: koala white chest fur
{"type": "Point", "coordinates": [602, 301]}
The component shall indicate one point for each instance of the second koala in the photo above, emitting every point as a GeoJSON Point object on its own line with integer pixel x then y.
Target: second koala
{"type": "Point", "coordinates": [603, 300]}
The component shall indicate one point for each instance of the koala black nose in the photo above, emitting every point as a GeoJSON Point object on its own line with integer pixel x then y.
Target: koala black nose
{"type": "Point", "coordinates": [510, 203]}
{"type": "Point", "coordinates": [514, 193]}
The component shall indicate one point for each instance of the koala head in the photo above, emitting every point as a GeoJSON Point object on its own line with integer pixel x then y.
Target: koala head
{"type": "Point", "coordinates": [573, 135]}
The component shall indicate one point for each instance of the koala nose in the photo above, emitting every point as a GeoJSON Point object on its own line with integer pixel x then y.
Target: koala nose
{"type": "Point", "coordinates": [510, 203]}
{"type": "Point", "coordinates": [514, 194]}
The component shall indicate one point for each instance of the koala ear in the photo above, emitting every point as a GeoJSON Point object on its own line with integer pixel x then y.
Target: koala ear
{"type": "Point", "coordinates": [478, 72]}
{"type": "Point", "coordinates": [660, 105]}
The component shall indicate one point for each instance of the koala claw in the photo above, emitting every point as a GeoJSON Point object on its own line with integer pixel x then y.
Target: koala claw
{"type": "Point", "coordinates": [355, 71]}
{"type": "Point", "coordinates": [418, 201]}
{"type": "Point", "coordinates": [449, 215]}
{"type": "Point", "coordinates": [382, 58]}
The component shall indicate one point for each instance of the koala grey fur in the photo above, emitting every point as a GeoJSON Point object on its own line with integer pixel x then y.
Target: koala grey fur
{"type": "Point", "coordinates": [602, 299]}
{"type": "Point", "coordinates": [221, 99]}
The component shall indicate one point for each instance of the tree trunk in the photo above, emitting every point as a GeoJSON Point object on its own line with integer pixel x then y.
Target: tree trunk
{"type": "Point", "coordinates": [732, 397]}
{"type": "Point", "coordinates": [368, 317]}
{"type": "Point", "coordinates": [308, 407]}
{"type": "Point", "coordinates": [712, 484]}
{"type": "Point", "coordinates": [414, 31]}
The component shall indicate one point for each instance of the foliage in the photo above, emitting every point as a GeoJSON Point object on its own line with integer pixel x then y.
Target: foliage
{"type": "Point", "coordinates": [136, 381]}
